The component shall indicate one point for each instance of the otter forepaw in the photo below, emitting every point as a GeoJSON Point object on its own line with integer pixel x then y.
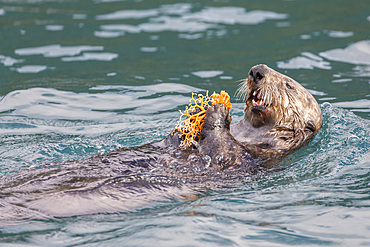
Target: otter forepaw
{"type": "Point", "coordinates": [217, 117]}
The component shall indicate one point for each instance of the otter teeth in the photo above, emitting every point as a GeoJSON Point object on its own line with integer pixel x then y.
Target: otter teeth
{"type": "Point", "coordinates": [257, 100]}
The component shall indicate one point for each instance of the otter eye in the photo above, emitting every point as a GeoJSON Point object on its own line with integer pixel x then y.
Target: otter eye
{"type": "Point", "coordinates": [259, 76]}
{"type": "Point", "coordinates": [288, 86]}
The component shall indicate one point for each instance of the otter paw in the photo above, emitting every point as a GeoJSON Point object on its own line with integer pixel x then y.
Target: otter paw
{"type": "Point", "coordinates": [217, 117]}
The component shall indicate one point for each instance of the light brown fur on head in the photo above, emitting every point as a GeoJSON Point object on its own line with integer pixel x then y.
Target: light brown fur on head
{"type": "Point", "coordinates": [279, 104]}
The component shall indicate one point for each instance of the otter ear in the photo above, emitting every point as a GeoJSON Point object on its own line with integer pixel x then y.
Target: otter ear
{"type": "Point", "coordinates": [310, 125]}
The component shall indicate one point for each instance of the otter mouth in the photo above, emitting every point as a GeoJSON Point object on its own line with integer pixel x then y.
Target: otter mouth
{"type": "Point", "coordinates": [258, 104]}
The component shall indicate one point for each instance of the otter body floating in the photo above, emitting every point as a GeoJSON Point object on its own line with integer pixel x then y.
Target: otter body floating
{"type": "Point", "coordinates": [280, 116]}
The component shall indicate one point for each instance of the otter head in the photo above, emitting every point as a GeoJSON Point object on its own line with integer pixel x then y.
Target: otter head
{"type": "Point", "coordinates": [279, 103]}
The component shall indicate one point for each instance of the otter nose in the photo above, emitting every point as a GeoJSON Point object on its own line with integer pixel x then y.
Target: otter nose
{"type": "Point", "coordinates": [256, 74]}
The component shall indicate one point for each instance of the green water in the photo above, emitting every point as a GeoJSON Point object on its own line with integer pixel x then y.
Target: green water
{"type": "Point", "coordinates": [85, 77]}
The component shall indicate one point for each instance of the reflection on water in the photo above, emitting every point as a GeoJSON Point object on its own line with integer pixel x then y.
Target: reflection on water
{"type": "Point", "coordinates": [93, 76]}
{"type": "Point", "coordinates": [31, 68]}
{"type": "Point", "coordinates": [68, 54]}
{"type": "Point", "coordinates": [357, 53]}
{"type": "Point", "coordinates": [9, 61]}
{"type": "Point", "coordinates": [307, 60]}
{"type": "Point", "coordinates": [56, 50]}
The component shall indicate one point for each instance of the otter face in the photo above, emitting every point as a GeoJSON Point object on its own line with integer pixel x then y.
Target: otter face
{"type": "Point", "coordinates": [276, 100]}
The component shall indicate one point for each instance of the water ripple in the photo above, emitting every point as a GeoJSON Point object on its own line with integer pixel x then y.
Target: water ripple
{"type": "Point", "coordinates": [323, 199]}
{"type": "Point", "coordinates": [55, 104]}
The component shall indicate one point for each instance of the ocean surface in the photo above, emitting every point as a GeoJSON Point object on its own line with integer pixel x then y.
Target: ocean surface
{"type": "Point", "coordinates": [79, 78]}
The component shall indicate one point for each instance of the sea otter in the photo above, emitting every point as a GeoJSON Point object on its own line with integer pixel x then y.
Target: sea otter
{"type": "Point", "coordinates": [280, 116]}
